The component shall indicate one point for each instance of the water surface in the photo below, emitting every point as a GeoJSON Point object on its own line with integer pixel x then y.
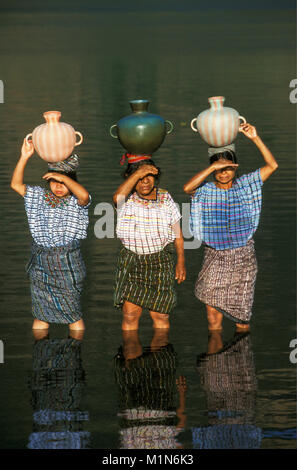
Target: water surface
{"type": "Point", "coordinates": [72, 392]}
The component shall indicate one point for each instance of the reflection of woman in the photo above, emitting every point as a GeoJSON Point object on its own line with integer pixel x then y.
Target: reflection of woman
{"type": "Point", "coordinates": [225, 215]}
{"type": "Point", "coordinates": [147, 385]}
{"type": "Point", "coordinates": [228, 378]}
{"type": "Point", "coordinates": [148, 225]}
{"type": "Point", "coordinates": [58, 220]}
{"type": "Point", "coordinates": [57, 383]}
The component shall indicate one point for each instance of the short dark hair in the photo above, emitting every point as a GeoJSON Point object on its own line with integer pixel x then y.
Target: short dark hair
{"type": "Point", "coordinates": [132, 167]}
{"type": "Point", "coordinates": [227, 155]}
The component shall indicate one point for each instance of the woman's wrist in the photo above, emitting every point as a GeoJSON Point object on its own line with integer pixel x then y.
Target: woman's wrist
{"type": "Point", "coordinates": [257, 139]}
{"type": "Point", "coordinates": [65, 179]}
{"type": "Point", "coordinates": [213, 167]}
{"type": "Point", "coordinates": [139, 174]}
{"type": "Point", "coordinates": [24, 157]}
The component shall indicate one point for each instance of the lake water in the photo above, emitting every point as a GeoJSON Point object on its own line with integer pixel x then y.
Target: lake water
{"type": "Point", "coordinates": [82, 392]}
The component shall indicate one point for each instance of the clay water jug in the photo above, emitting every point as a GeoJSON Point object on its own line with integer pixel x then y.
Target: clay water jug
{"type": "Point", "coordinates": [141, 133]}
{"type": "Point", "coordinates": [54, 140]}
{"type": "Point", "coordinates": [218, 125]}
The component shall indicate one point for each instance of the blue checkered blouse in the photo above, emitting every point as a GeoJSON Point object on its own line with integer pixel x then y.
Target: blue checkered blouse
{"type": "Point", "coordinates": [54, 226]}
{"type": "Point", "coordinates": [227, 218]}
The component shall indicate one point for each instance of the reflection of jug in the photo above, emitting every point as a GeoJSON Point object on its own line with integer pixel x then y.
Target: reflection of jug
{"type": "Point", "coordinates": [141, 133]}
{"type": "Point", "coordinates": [54, 141]}
{"type": "Point", "coordinates": [219, 125]}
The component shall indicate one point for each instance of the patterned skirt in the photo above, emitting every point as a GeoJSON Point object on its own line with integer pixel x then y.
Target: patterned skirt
{"type": "Point", "coordinates": [56, 279]}
{"type": "Point", "coordinates": [146, 280]}
{"type": "Point", "coordinates": [227, 281]}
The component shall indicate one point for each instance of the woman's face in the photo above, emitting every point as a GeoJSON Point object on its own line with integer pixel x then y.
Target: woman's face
{"type": "Point", "coordinates": [59, 189]}
{"type": "Point", "coordinates": [145, 185]}
{"type": "Point", "coordinates": [226, 174]}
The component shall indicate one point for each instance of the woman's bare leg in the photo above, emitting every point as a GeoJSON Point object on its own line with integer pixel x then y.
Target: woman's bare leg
{"type": "Point", "coordinates": [131, 316]}
{"type": "Point", "coordinates": [131, 344]}
{"type": "Point", "coordinates": [215, 341]}
{"type": "Point", "coordinates": [242, 326]}
{"type": "Point", "coordinates": [214, 318]}
{"type": "Point", "coordinates": [161, 320]}
{"type": "Point", "coordinates": [78, 325]}
{"type": "Point", "coordinates": [40, 334]}
{"type": "Point", "coordinates": [40, 325]}
{"type": "Point", "coordinates": [76, 334]}
{"type": "Point", "coordinates": [160, 338]}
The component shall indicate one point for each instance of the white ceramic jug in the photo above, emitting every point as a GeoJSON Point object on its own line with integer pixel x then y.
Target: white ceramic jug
{"type": "Point", "coordinates": [218, 125]}
{"type": "Point", "coordinates": [54, 140]}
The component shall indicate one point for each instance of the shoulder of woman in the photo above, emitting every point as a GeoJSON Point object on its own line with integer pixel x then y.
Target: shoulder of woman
{"type": "Point", "coordinates": [165, 196]}
{"type": "Point", "coordinates": [204, 187]}
{"type": "Point", "coordinates": [163, 191]}
{"type": "Point", "coordinates": [34, 191]}
{"type": "Point", "coordinates": [124, 202]}
{"type": "Point", "coordinates": [249, 178]}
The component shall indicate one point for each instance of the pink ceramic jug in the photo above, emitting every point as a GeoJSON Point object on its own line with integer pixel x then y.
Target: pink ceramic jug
{"type": "Point", "coordinates": [219, 125]}
{"type": "Point", "coordinates": [54, 141]}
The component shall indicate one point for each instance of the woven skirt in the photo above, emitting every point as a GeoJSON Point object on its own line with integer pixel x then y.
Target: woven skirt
{"type": "Point", "coordinates": [146, 280]}
{"type": "Point", "coordinates": [227, 281]}
{"type": "Point", "coordinates": [56, 280]}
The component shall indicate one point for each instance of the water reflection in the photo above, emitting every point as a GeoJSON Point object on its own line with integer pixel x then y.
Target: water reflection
{"type": "Point", "coordinates": [150, 418]}
{"type": "Point", "coordinates": [228, 378]}
{"type": "Point", "coordinates": [57, 383]}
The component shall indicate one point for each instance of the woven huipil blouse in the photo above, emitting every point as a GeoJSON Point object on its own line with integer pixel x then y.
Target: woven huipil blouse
{"type": "Point", "coordinates": [54, 226]}
{"type": "Point", "coordinates": [227, 218]}
{"type": "Point", "coordinates": [145, 226]}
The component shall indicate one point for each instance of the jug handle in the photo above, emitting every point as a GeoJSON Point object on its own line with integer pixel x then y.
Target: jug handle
{"type": "Point", "coordinates": [244, 119]}
{"type": "Point", "coordinates": [81, 138]}
{"type": "Point", "coordinates": [112, 135]}
{"type": "Point", "coordinates": [192, 125]}
{"type": "Point", "coordinates": [28, 137]}
{"type": "Point", "coordinates": [168, 131]}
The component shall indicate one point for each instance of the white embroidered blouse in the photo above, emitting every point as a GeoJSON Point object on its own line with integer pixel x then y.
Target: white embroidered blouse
{"type": "Point", "coordinates": [145, 226]}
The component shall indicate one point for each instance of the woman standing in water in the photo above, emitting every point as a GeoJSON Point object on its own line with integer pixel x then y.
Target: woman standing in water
{"type": "Point", "coordinates": [58, 220]}
{"type": "Point", "coordinates": [225, 215]}
{"type": "Point", "coordinates": [148, 226]}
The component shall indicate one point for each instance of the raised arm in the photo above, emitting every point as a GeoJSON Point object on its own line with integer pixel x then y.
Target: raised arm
{"type": "Point", "coordinates": [191, 185]}
{"type": "Point", "coordinates": [74, 187]}
{"type": "Point", "coordinates": [17, 180]}
{"type": "Point", "coordinates": [127, 186]}
{"type": "Point", "coordinates": [271, 164]}
{"type": "Point", "coordinates": [180, 269]}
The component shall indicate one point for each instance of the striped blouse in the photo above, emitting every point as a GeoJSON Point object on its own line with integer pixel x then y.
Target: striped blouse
{"type": "Point", "coordinates": [227, 218]}
{"type": "Point", "coordinates": [145, 226]}
{"type": "Point", "coordinates": [54, 226]}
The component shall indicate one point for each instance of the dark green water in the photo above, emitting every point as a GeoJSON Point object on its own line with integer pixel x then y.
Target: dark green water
{"type": "Point", "coordinates": [89, 65]}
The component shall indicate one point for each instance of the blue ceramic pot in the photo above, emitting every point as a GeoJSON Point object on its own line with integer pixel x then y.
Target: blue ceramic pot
{"type": "Point", "coordinates": [141, 133]}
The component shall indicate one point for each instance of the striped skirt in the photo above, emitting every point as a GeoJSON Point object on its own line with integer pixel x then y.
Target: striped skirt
{"type": "Point", "coordinates": [227, 281]}
{"type": "Point", "coordinates": [56, 279]}
{"type": "Point", "coordinates": [146, 280]}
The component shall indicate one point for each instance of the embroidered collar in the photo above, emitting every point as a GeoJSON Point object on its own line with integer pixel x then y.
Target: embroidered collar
{"type": "Point", "coordinates": [160, 198]}
{"type": "Point", "coordinates": [55, 201]}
